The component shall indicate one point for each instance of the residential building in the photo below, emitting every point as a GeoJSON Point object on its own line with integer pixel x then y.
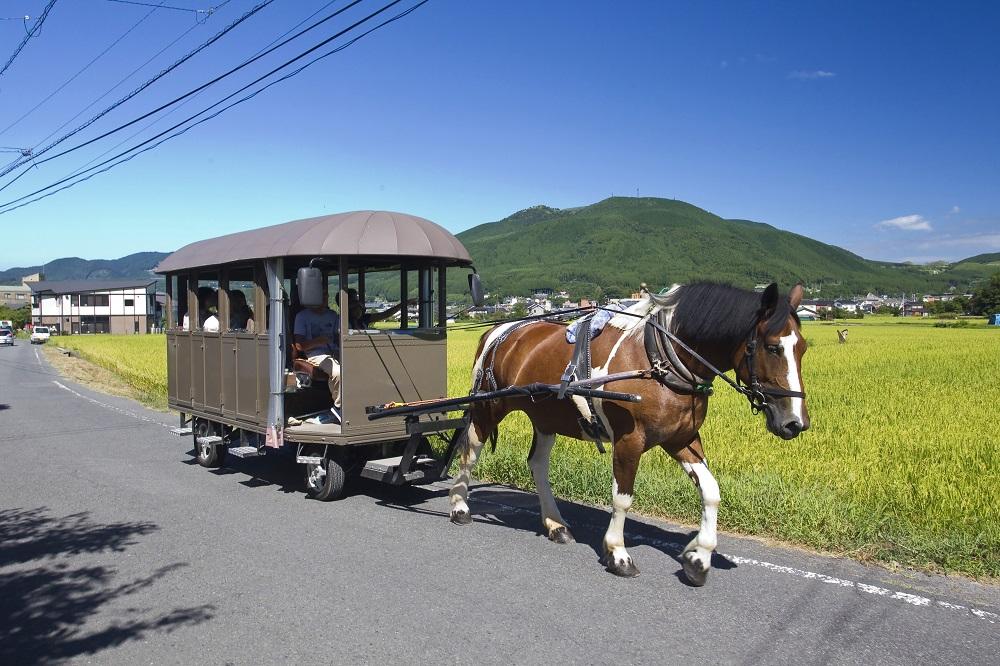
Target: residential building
{"type": "Point", "coordinates": [96, 306]}
{"type": "Point", "coordinates": [15, 296]}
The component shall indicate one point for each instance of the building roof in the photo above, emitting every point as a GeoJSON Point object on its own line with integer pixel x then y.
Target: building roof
{"type": "Point", "coordinates": [82, 286]}
{"type": "Point", "coordinates": [365, 232]}
{"type": "Point", "coordinates": [15, 288]}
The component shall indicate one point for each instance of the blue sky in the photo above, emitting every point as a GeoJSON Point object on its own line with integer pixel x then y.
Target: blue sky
{"type": "Point", "coordinates": [871, 126]}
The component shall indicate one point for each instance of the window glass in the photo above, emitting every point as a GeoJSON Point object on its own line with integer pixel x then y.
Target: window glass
{"type": "Point", "coordinates": [241, 301]}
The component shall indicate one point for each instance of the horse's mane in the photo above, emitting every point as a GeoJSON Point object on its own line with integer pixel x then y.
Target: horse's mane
{"type": "Point", "coordinates": [722, 313]}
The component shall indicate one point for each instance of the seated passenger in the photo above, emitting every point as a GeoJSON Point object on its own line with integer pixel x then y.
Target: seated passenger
{"type": "Point", "coordinates": [240, 314]}
{"type": "Point", "coordinates": [208, 303]}
{"type": "Point", "coordinates": [317, 336]}
{"type": "Point", "coordinates": [359, 319]}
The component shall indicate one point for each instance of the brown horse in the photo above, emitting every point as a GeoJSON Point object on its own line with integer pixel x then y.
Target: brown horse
{"type": "Point", "coordinates": [721, 324]}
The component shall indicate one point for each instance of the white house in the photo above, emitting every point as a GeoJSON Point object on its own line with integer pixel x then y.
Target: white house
{"type": "Point", "coordinates": [95, 306]}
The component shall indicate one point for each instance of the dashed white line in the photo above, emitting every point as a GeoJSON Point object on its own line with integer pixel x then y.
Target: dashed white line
{"type": "Point", "coordinates": [905, 597]}
{"type": "Point", "coordinates": [112, 408]}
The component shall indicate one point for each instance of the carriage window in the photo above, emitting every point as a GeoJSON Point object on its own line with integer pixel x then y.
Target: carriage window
{"type": "Point", "coordinates": [177, 284]}
{"type": "Point", "coordinates": [242, 299]}
{"type": "Point", "coordinates": [208, 302]}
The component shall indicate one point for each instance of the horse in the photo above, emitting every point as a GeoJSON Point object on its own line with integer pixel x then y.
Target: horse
{"type": "Point", "coordinates": [705, 329]}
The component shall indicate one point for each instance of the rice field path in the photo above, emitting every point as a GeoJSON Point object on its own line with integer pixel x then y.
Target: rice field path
{"type": "Point", "coordinates": [115, 548]}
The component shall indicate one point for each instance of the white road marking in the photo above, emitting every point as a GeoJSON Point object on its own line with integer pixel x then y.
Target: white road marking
{"type": "Point", "coordinates": [912, 599]}
{"type": "Point", "coordinates": [37, 357]}
{"type": "Point", "coordinates": [112, 407]}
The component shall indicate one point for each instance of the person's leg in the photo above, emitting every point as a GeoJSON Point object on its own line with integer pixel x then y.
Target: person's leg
{"type": "Point", "coordinates": [331, 367]}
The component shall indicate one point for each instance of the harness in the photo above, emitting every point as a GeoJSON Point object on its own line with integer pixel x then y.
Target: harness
{"type": "Point", "coordinates": [666, 367]}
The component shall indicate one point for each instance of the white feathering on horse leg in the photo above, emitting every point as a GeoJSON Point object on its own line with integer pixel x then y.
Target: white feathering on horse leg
{"type": "Point", "coordinates": [614, 538]}
{"type": "Point", "coordinates": [699, 551]}
{"type": "Point", "coordinates": [552, 519]}
{"type": "Point", "coordinates": [459, 493]}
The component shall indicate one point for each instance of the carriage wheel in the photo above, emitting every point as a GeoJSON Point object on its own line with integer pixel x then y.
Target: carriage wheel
{"type": "Point", "coordinates": [207, 455]}
{"type": "Point", "coordinates": [325, 481]}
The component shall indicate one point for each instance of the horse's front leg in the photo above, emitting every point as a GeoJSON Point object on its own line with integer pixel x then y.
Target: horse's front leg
{"type": "Point", "coordinates": [697, 557]}
{"type": "Point", "coordinates": [470, 443]}
{"type": "Point", "coordinates": [538, 461]}
{"type": "Point", "coordinates": [626, 456]}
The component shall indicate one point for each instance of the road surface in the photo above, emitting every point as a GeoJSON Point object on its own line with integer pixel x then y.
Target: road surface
{"type": "Point", "coordinates": [115, 548]}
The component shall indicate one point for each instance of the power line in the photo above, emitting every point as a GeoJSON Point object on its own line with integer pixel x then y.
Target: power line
{"type": "Point", "coordinates": [96, 170]}
{"type": "Point", "coordinates": [83, 167]}
{"type": "Point", "coordinates": [125, 78]}
{"type": "Point", "coordinates": [31, 33]}
{"type": "Point", "coordinates": [208, 11]}
{"type": "Point", "coordinates": [132, 94]}
{"type": "Point", "coordinates": [85, 68]}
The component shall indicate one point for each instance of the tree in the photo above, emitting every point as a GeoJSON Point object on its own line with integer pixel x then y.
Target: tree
{"type": "Point", "coordinates": [19, 316]}
{"type": "Point", "coordinates": [986, 299]}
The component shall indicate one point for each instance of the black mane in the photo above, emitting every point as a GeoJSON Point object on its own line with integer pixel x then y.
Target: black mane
{"type": "Point", "coordinates": [711, 312]}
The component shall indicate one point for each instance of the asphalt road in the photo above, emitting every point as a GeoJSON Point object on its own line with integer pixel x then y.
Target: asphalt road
{"type": "Point", "coordinates": [115, 548]}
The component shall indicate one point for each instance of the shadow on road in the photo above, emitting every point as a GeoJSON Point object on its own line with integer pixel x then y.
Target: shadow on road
{"type": "Point", "coordinates": [4, 406]}
{"type": "Point", "coordinates": [48, 605]}
{"type": "Point", "coordinates": [502, 505]}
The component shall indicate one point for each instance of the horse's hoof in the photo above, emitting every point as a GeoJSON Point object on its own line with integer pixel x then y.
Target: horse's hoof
{"type": "Point", "coordinates": [694, 569]}
{"type": "Point", "coordinates": [626, 569]}
{"type": "Point", "coordinates": [461, 517]}
{"type": "Point", "coordinates": [561, 535]}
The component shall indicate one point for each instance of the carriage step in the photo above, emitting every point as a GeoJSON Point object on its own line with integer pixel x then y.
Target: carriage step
{"type": "Point", "coordinates": [180, 432]}
{"type": "Point", "coordinates": [209, 439]}
{"type": "Point", "coordinates": [309, 460]}
{"type": "Point", "coordinates": [384, 469]}
{"type": "Point", "coordinates": [245, 451]}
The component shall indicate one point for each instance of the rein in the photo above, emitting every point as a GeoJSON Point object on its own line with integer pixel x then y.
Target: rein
{"type": "Point", "coordinates": [755, 392]}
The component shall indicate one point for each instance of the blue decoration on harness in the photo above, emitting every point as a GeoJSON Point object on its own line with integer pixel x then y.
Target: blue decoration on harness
{"type": "Point", "coordinates": [597, 322]}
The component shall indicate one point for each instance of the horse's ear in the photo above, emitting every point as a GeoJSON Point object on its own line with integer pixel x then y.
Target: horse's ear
{"type": "Point", "coordinates": [769, 300]}
{"type": "Point", "coordinates": [795, 296]}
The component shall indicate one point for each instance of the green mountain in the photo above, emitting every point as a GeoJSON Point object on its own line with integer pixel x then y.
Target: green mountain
{"type": "Point", "coordinates": [136, 265]}
{"type": "Point", "coordinates": [611, 247]}
{"type": "Point", "coordinates": [993, 258]}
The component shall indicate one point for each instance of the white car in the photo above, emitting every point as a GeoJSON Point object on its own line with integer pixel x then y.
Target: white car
{"type": "Point", "coordinates": [39, 335]}
{"type": "Point", "coordinates": [6, 337]}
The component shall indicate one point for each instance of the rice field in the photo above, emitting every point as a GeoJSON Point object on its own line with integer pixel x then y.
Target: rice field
{"type": "Point", "coordinates": [901, 465]}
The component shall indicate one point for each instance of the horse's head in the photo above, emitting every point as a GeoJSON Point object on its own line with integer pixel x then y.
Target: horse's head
{"type": "Point", "coordinates": [771, 362]}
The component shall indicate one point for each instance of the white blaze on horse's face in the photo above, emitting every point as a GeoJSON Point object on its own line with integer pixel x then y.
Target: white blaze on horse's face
{"type": "Point", "coordinates": [794, 377]}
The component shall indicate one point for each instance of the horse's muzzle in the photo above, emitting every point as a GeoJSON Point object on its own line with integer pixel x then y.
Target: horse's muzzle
{"type": "Point", "coordinates": [782, 426]}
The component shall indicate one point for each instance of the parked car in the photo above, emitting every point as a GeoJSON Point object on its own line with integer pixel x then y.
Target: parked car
{"type": "Point", "coordinates": [6, 337]}
{"type": "Point", "coordinates": [39, 335]}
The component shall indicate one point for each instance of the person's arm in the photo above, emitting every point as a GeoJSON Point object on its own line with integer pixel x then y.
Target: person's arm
{"type": "Point", "coordinates": [385, 314]}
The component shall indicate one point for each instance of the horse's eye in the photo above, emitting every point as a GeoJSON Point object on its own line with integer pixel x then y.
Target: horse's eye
{"type": "Point", "coordinates": [774, 349]}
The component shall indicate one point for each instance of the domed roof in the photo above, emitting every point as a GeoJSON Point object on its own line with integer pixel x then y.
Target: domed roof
{"type": "Point", "coordinates": [363, 232]}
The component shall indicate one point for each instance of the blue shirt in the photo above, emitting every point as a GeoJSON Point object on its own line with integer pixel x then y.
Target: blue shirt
{"type": "Point", "coordinates": [311, 325]}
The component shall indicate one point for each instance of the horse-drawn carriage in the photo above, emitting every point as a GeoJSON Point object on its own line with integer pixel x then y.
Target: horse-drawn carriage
{"type": "Point", "coordinates": [234, 375]}
{"type": "Point", "coordinates": [234, 371]}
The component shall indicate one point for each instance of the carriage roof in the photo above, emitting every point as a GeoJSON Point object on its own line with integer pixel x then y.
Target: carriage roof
{"type": "Point", "coordinates": [357, 233]}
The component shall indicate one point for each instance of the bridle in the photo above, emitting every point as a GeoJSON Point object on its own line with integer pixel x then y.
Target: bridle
{"type": "Point", "coordinates": [757, 392]}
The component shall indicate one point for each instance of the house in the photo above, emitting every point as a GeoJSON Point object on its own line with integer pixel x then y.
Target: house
{"type": "Point", "coordinates": [15, 296]}
{"type": "Point", "coordinates": [806, 313]}
{"type": "Point", "coordinates": [536, 310]}
{"type": "Point", "coordinates": [96, 306]}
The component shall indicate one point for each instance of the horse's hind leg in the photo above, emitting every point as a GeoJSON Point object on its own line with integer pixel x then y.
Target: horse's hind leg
{"type": "Point", "coordinates": [538, 461]}
{"type": "Point", "coordinates": [470, 445]}
{"type": "Point", "coordinates": [697, 557]}
{"type": "Point", "coordinates": [626, 463]}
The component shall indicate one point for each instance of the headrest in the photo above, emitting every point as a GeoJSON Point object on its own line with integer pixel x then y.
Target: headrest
{"type": "Point", "coordinates": [310, 284]}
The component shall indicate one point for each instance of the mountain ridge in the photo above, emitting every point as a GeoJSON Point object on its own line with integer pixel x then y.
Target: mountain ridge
{"type": "Point", "coordinates": [612, 246]}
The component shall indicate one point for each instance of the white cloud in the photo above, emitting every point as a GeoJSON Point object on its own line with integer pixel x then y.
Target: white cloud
{"type": "Point", "coordinates": [906, 223]}
{"type": "Point", "coordinates": [987, 242]}
{"type": "Point", "coordinates": [811, 74]}
{"type": "Point", "coordinates": [955, 210]}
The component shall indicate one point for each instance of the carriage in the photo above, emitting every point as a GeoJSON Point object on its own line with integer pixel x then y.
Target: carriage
{"type": "Point", "coordinates": [235, 373]}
